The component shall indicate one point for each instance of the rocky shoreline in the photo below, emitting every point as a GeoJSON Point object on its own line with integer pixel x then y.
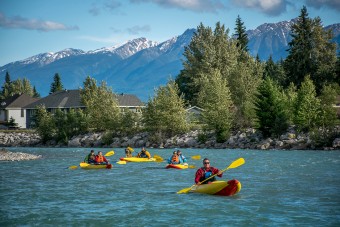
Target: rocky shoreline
{"type": "Point", "coordinates": [6, 155]}
{"type": "Point", "coordinates": [248, 139]}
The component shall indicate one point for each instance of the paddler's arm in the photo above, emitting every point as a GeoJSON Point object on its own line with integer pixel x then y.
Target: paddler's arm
{"type": "Point", "coordinates": [148, 154]}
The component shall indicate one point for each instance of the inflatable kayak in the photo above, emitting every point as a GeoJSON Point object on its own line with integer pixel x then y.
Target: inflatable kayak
{"type": "Point", "coordinates": [135, 159]}
{"type": "Point", "coordinates": [223, 188]}
{"type": "Point", "coordinates": [84, 165]}
{"type": "Point", "coordinates": [176, 166]}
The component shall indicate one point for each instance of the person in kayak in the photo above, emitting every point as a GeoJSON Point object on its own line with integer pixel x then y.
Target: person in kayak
{"type": "Point", "coordinates": [182, 158]}
{"type": "Point", "coordinates": [90, 158]}
{"type": "Point", "coordinates": [143, 154]}
{"type": "Point", "coordinates": [100, 159]}
{"type": "Point", "coordinates": [128, 152]}
{"type": "Point", "coordinates": [205, 172]}
{"type": "Point", "coordinates": [174, 158]}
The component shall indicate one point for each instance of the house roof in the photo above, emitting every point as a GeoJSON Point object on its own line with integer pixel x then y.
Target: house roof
{"type": "Point", "coordinates": [17, 101]}
{"type": "Point", "coordinates": [127, 100]}
{"type": "Point", "coordinates": [71, 99]}
{"type": "Point", "coordinates": [194, 108]}
{"type": "Point", "coordinates": [59, 99]}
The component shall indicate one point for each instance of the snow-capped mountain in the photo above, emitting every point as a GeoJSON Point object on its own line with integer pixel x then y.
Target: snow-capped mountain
{"type": "Point", "coordinates": [140, 65]}
{"type": "Point", "coordinates": [47, 58]}
{"type": "Point", "coordinates": [270, 39]}
{"type": "Point", "coordinates": [127, 49]}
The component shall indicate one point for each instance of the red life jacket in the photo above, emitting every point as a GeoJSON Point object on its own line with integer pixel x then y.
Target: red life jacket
{"type": "Point", "coordinates": [175, 158]}
{"type": "Point", "coordinates": [100, 158]}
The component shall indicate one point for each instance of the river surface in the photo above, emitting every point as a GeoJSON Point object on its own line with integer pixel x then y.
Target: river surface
{"type": "Point", "coordinates": [279, 188]}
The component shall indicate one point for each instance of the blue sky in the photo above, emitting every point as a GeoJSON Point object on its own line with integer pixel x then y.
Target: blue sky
{"type": "Point", "coordinates": [30, 27]}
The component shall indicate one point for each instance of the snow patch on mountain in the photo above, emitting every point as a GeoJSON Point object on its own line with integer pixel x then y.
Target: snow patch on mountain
{"type": "Point", "coordinates": [49, 57]}
{"type": "Point", "coordinates": [127, 49]}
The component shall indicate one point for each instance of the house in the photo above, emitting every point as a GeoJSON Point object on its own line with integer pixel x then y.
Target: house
{"type": "Point", "coordinates": [193, 114]}
{"type": "Point", "coordinates": [70, 99]}
{"type": "Point", "coordinates": [12, 107]}
{"type": "Point", "coordinates": [337, 106]}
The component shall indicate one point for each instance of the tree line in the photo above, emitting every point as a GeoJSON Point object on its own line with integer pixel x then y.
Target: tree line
{"type": "Point", "coordinates": [234, 89]}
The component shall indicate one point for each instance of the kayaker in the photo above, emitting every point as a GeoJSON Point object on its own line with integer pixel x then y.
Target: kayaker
{"type": "Point", "coordinates": [174, 158]}
{"type": "Point", "coordinates": [182, 158]}
{"type": "Point", "coordinates": [100, 159]}
{"type": "Point", "coordinates": [205, 172]}
{"type": "Point", "coordinates": [90, 158]}
{"type": "Point", "coordinates": [143, 154]}
{"type": "Point", "coordinates": [128, 152]}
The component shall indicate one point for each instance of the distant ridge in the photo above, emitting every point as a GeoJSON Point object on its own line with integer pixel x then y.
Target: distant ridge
{"type": "Point", "coordinates": [140, 65]}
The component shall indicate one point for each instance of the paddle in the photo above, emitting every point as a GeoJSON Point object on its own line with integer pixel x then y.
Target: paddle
{"type": "Point", "coordinates": [196, 157]}
{"type": "Point", "coordinates": [73, 167]}
{"type": "Point", "coordinates": [192, 167]}
{"type": "Point", "coordinates": [121, 162]}
{"type": "Point", "coordinates": [158, 158]}
{"type": "Point", "coordinates": [109, 153]}
{"type": "Point", "coordinates": [130, 149]}
{"type": "Point", "coordinates": [234, 164]}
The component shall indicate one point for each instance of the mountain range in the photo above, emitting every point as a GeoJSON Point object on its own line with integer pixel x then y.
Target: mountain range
{"type": "Point", "coordinates": [140, 65]}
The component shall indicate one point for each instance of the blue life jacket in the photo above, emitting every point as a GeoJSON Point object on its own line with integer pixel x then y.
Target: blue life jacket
{"type": "Point", "coordinates": [207, 174]}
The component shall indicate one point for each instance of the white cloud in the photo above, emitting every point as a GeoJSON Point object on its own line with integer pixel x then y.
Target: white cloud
{"type": "Point", "coordinates": [191, 5]}
{"type": "Point", "coordinates": [109, 5]}
{"type": "Point", "coordinates": [333, 4]}
{"type": "Point", "coordinates": [135, 30]}
{"type": "Point", "coordinates": [18, 22]}
{"type": "Point", "coordinates": [269, 7]}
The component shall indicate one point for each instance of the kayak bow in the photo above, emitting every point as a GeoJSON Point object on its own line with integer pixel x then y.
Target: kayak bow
{"type": "Point", "coordinates": [135, 159]}
{"type": "Point", "coordinates": [84, 165]}
{"type": "Point", "coordinates": [176, 166]}
{"type": "Point", "coordinates": [222, 188]}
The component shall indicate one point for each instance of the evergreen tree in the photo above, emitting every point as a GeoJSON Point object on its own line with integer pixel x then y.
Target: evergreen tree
{"type": "Point", "coordinates": [215, 99]}
{"type": "Point", "coordinates": [243, 82]}
{"type": "Point", "coordinates": [208, 50]}
{"type": "Point", "coordinates": [101, 105]}
{"type": "Point", "coordinates": [165, 114]}
{"type": "Point", "coordinates": [241, 35]}
{"type": "Point", "coordinates": [270, 109]}
{"type": "Point", "coordinates": [7, 87]}
{"type": "Point", "coordinates": [289, 100]}
{"type": "Point", "coordinates": [130, 122]}
{"type": "Point", "coordinates": [56, 85]}
{"type": "Point", "coordinates": [35, 93]}
{"type": "Point", "coordinates": [311, 52]}
{"type": "Point", "coordinates": [275, 71]}
{"type": "Point", "coordinates": [307, 106]}
{"type": "Point", "coordinates": [45, 124]}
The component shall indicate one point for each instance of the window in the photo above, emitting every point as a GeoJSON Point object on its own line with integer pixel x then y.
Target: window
{"type": "Point", "coordinates": [22, 113]}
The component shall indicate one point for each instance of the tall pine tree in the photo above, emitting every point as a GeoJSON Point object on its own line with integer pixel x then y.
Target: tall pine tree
{"type": "Point", "coordinates": [241, 35]}
{"type": "Point", "coordinates": [311, 52]}
{"type": "Point", "coordinates": [56, 85]}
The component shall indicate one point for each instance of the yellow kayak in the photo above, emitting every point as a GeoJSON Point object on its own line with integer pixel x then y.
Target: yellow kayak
{"type": "Point", "coordinates": [177, 166]}
{"type": "Point", "coordinates": [223, 188]}
{"type": "Point", "coordinates": [85, 165]}
{"type": "Point", "coordinates": [135, 159]}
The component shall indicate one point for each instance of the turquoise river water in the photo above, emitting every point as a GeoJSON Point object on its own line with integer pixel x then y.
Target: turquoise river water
{"type": "Point", "coordinates": [279, 188]}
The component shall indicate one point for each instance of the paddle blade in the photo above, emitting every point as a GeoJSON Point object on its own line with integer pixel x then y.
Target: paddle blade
{"type": "Point", "coordinates": [158, 158]}
{"type": "Point", "coordinates": [121, 162]}
{"type": "Point", "coordinates": [192, 167]}
{"type": "Point", "coordinates": [73, 167]}
{"type": "Point", "coordinates": [83, 164]}
{"type": "Point", "coordinates": [196, 157]}
{"type": "Point", "coordinates": [130, 149]}
{"type": "Point", "coordinates": [184, 190]}
{"type": "Point", "coordinates": [110, 153]}
{"type": "Point", "coordinates": [236, 163]}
